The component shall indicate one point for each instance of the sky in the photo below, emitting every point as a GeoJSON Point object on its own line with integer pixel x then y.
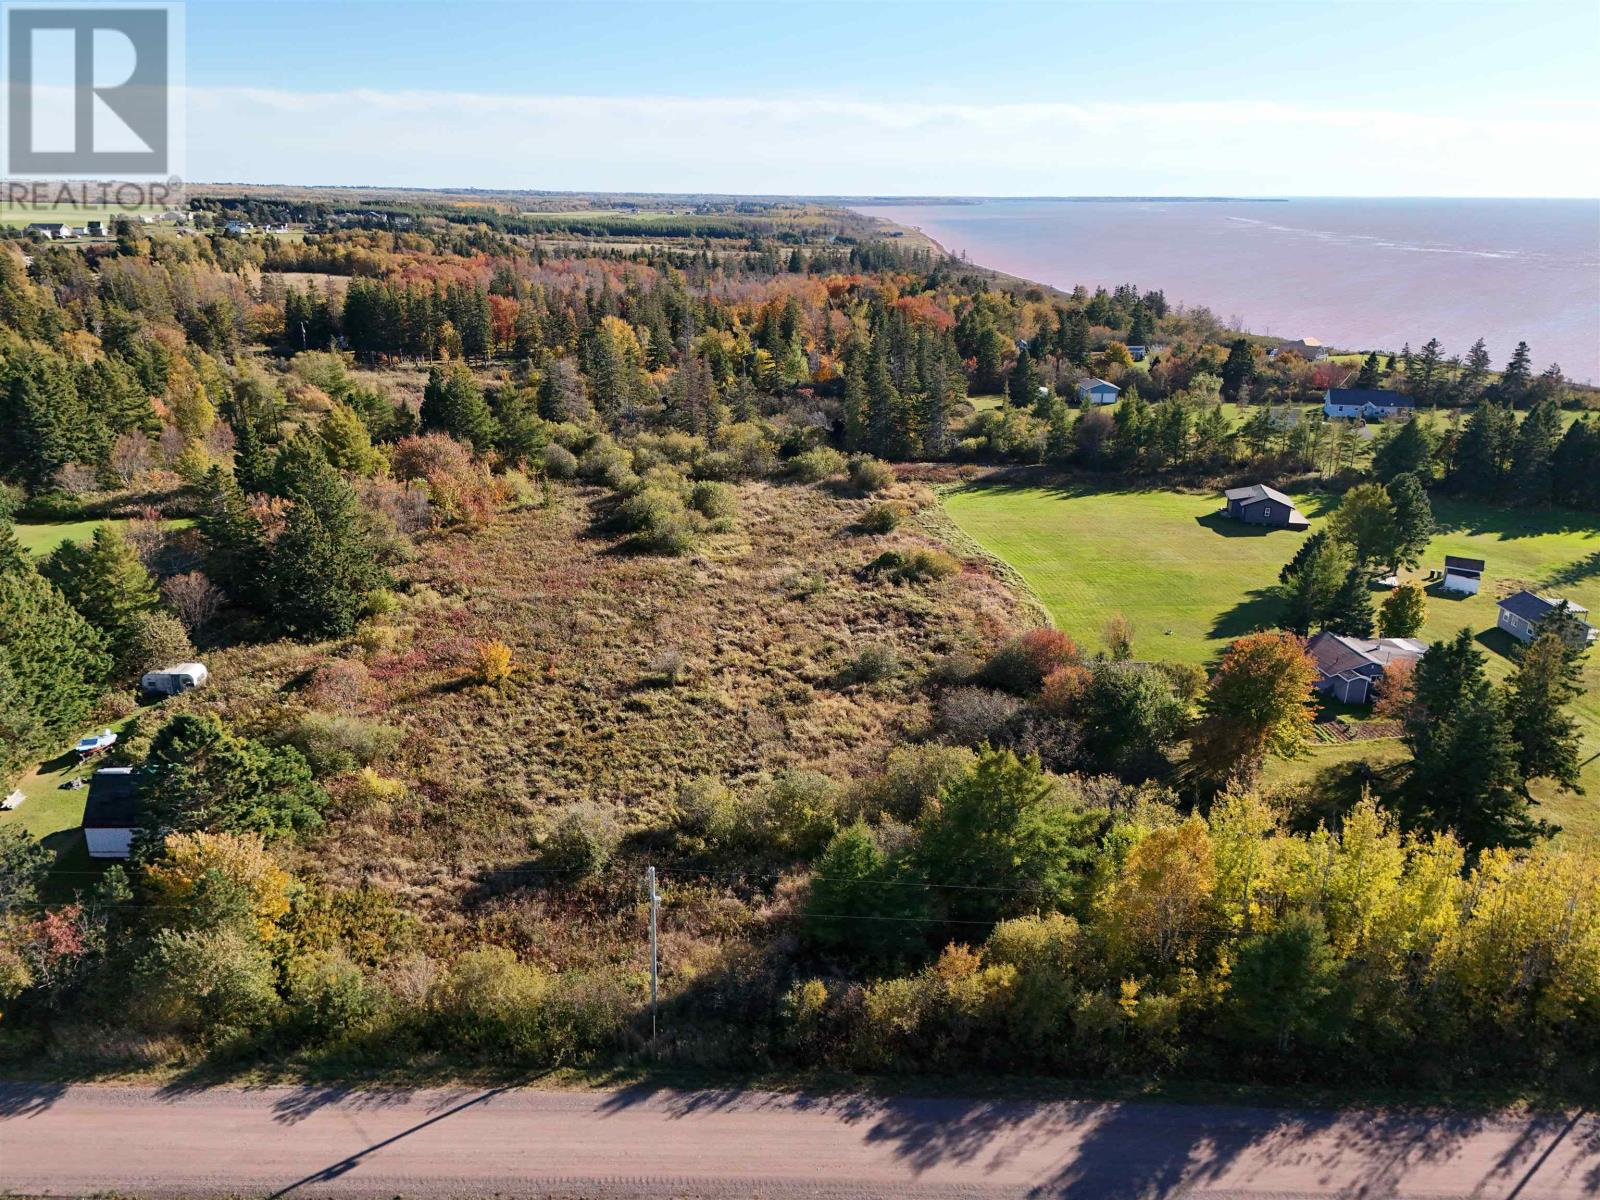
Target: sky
{"type": "Point", "coordinates": [1370, 98]}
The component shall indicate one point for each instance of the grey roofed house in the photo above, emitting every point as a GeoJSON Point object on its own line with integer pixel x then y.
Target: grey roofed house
{"type": "Point", "coordinates": [1259, 504]}
{"type": "Point", "coordinates": [1522, 613]}
{"type": "Point", "coordinates": [111, 813]}
{"type": "Point", "coordinates": [1348, 669]}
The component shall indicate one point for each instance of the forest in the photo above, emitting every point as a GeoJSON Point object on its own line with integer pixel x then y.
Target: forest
{"type": "Point", "coordinates": [530, 549]}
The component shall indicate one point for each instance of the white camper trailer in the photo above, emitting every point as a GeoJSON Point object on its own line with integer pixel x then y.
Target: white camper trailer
{"type": "Point", "coordinates": [172, 681]}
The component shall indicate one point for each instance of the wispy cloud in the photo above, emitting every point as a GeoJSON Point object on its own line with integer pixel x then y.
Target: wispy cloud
{"type": "Point", "coordinates": [837, 145]}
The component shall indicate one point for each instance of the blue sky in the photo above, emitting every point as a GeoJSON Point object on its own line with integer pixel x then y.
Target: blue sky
{"type": "Point", "coordinates": [1368, 98]}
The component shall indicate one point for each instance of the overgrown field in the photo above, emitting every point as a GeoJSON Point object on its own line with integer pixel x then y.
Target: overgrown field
{"type": "Point", "coordinates": [634, 674]}
{"type": "Point", "coordinates": [1190, 580]}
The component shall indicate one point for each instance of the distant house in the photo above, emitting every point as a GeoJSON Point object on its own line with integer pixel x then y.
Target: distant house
{"type": "Point", "coordinates": [1463, 575]}
{"type": "Point", "coordinates": [1350, 669]}
{"type": "Point", "coordinates": [111, 814]}
{"type": "Point", "coordinates": [50, 230]}
{"type": "Point", "coordinates": [95, 229]}
{"type": "Point", "coordinates": [1367, 403]}
{"type": "Point", "coordinates": [1261, 505]}
{"type": "Point", "coordinates": [1097, 391]}
{"type": "Point", "coordinates": [1523, 613]}
{"type": "Point", "coordinates": [1307, 348]}
{"type": "Point", "coordinates": [1138, 353]}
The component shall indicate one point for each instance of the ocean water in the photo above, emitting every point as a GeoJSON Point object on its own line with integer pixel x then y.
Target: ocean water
{"type": "Point", "coordinates": [1358, 274]}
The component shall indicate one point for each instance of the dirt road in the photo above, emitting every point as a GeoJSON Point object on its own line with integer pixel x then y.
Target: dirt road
{"type": "Point", "coordinates": [307, 1142]}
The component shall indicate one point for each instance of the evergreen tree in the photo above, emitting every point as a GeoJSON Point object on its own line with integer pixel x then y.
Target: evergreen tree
{"type": "Point", "coordinates": [1238, 372]}
{"type": "Point", "coordinates": [1465, 780]}
{"type": "Point", "coordinates": [1409, 452]}
{"type": "Point", "coordinates": [1022, 387]}
{"type": "Point", "coordinates": [1350, 611]}
{"type": "Point", "coordinates": [1483, 456]}
{"type": "Point", "coordinates": [1075, 345]}
{"type": "Point", "coordinates": [1546, 679]}
{"type": "Point", "coordinates": [1312, 582]}
{"type": "Point", "coordinates": [1514, 380]}
{"type": "Point", "coordinates": [321, 566]}
{"type": "Point", "coordinates": [52, 663]}
{"type": "Point", "coordinates": [235, 545]}
{"type": "Point", "coordinates": [107, 584]}
{"type": "Point", "coordinates": [199, 775]}
{"type": "Point", "coordinates": [855, 403]}
{"type": "Point", "coordinates": [1413, 521]}
{"type": "Point", "coordinates": [453, 403]}
{"type": "Point", "coordinates": [1371, 375]}
{"type": "Point", "coordinates": [1533, 452]}
{"type": "Point", "coordinates": [1575, 466]}
{"type": "Point", "coordinates": [1475, 373]}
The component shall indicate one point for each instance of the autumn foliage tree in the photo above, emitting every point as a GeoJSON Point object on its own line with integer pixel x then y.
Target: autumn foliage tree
{"type": "Point", "coordinates": [1257, 703]}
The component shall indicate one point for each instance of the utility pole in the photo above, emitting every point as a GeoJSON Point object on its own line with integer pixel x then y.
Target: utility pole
{"type": "Point", "coordinates": [655, 909]}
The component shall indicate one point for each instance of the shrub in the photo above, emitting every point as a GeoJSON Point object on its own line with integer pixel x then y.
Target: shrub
{"type": "Point", "coordinates": [604, 462]}
{"type": "Point", "coordinates": [970, 716]}
{"type": "Point", "coordinates": [332, 745]}
{"type": "Point", "coordinates": [815, 465]}
{"type": "Point", "coordinates": [704, 815]}
{"type": "Point", "coordinates": [580, 845]}
{"type": "Point", "coordinates": [647, 509]}
{"type": "Point", "coordinates": [489, 1001]}
{"type": "Point", "coordinates": [667, 669]}
{"type": "Point", "coordinates": [1020, 666]}
{"type": "Point", "coordinates": [915, 566]}
{"type": "Point", "coordinates": [884, 517]}
{"type": "Point", "coordinates": [153, 639]}
{"type": "Point", "coordinates": [798, 812]}
{"type": "Point", "coordinates": [559, 462]}
{"type": "Point", "coordinates": [912, 776]}
{"type": "Point", "coordinates": [329, 995]}
{"type": "Point", "coordinates": [368, 789]}
{"type": "Point", "coordinates": [494, 662]}
{"type": "Point", "coordinates": [1062, 689]}
{"type": "Point", "coordinates": [873, 663]}
{"type": "Point", "coordinates": [714, 501]}
{"type": "Point", "coordinates": [871, 474]}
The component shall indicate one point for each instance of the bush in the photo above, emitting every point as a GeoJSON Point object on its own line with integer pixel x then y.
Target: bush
{"type": "Point", "coordinates": [647, 509]}
{"type": "Point", "coordinates": [798, 813]}
{"type": "Point", "coordinates": [915, 566]}
{"type": "Point", "coordinates": [884, 517]}
{"type": "Point", "coordinates": [580, 845]}
{"type": "Point", "coordinates": [815, 465]}
{"type": "Point", "coordinates": [871, 664]}
{"type": "Point", "coordinates": [604, 462]}
{"type": "Point", "coordinates": [871, 474]}
{"type": "Point", "coordinates": [1062, 689]}
{"type": "Point", "coordinates": [153, 639]}
{"type": "Point", "coordinates": [670, 535]}
{"type": "Point", "coordinates": [340, 684]}
{"type": "Point", "coordinates": [494, 662]}
{"type": "Point", "coordinates": [1020, 666]}
{"type": "Point", "coordinates": [333, 745]}
{"type": "Point", "coordinates": [970, 716]}
{"type": "Point", "coordinates": [714, 501]}
{"type": "Point", "coordinates": [559, 462]}
{"type": "Point", "coordinates": [704, 815]}
{"type": "Point", "coordinates": [912, 776]}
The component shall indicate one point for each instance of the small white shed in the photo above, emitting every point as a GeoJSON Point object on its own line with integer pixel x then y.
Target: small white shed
{"type": "Point", "coordinates": [173, 681]}
{"type": "Point", "coordinates": [110, 815]}
{"type": "Point", "coordinates": [1462, 575]}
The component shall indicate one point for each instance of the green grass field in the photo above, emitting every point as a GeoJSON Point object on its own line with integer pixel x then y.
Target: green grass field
{"type": "Point", "coordinates": [41, 538]}
{"type": "Point", "coordinates": [1190, 580]}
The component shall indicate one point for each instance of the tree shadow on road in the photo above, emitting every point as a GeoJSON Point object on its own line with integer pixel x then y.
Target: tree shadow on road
{"type": "Point", "coordinates": [28, 1099]}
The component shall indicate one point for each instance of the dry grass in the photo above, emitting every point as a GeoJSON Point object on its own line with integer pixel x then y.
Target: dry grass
{"type": "Point", "coordinates": [762, 617]}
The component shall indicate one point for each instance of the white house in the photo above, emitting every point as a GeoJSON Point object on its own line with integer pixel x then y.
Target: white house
{"type": "Point", "coordinates": [50, 230]}
{"type": "Point", "coordinates": [110, 815]}
{"type": "Point", "coordinates": [1522, 614]}
{"type": "Point", "coordinates": [1097, 391]}
{"type": "Point", "coordinates": [1462, 575]}
{"type": "Point", "coordinates": [1366, 403]}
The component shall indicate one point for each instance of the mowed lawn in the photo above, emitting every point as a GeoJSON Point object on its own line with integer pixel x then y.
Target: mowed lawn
{"type": "Point", "coordinates": [1190, 580]}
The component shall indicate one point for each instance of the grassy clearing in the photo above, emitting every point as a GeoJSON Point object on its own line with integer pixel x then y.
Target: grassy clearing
{"type": "Point", "coordinates": [39, 538]}
{"type": "Point", "coordinates": [1191, 581]}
